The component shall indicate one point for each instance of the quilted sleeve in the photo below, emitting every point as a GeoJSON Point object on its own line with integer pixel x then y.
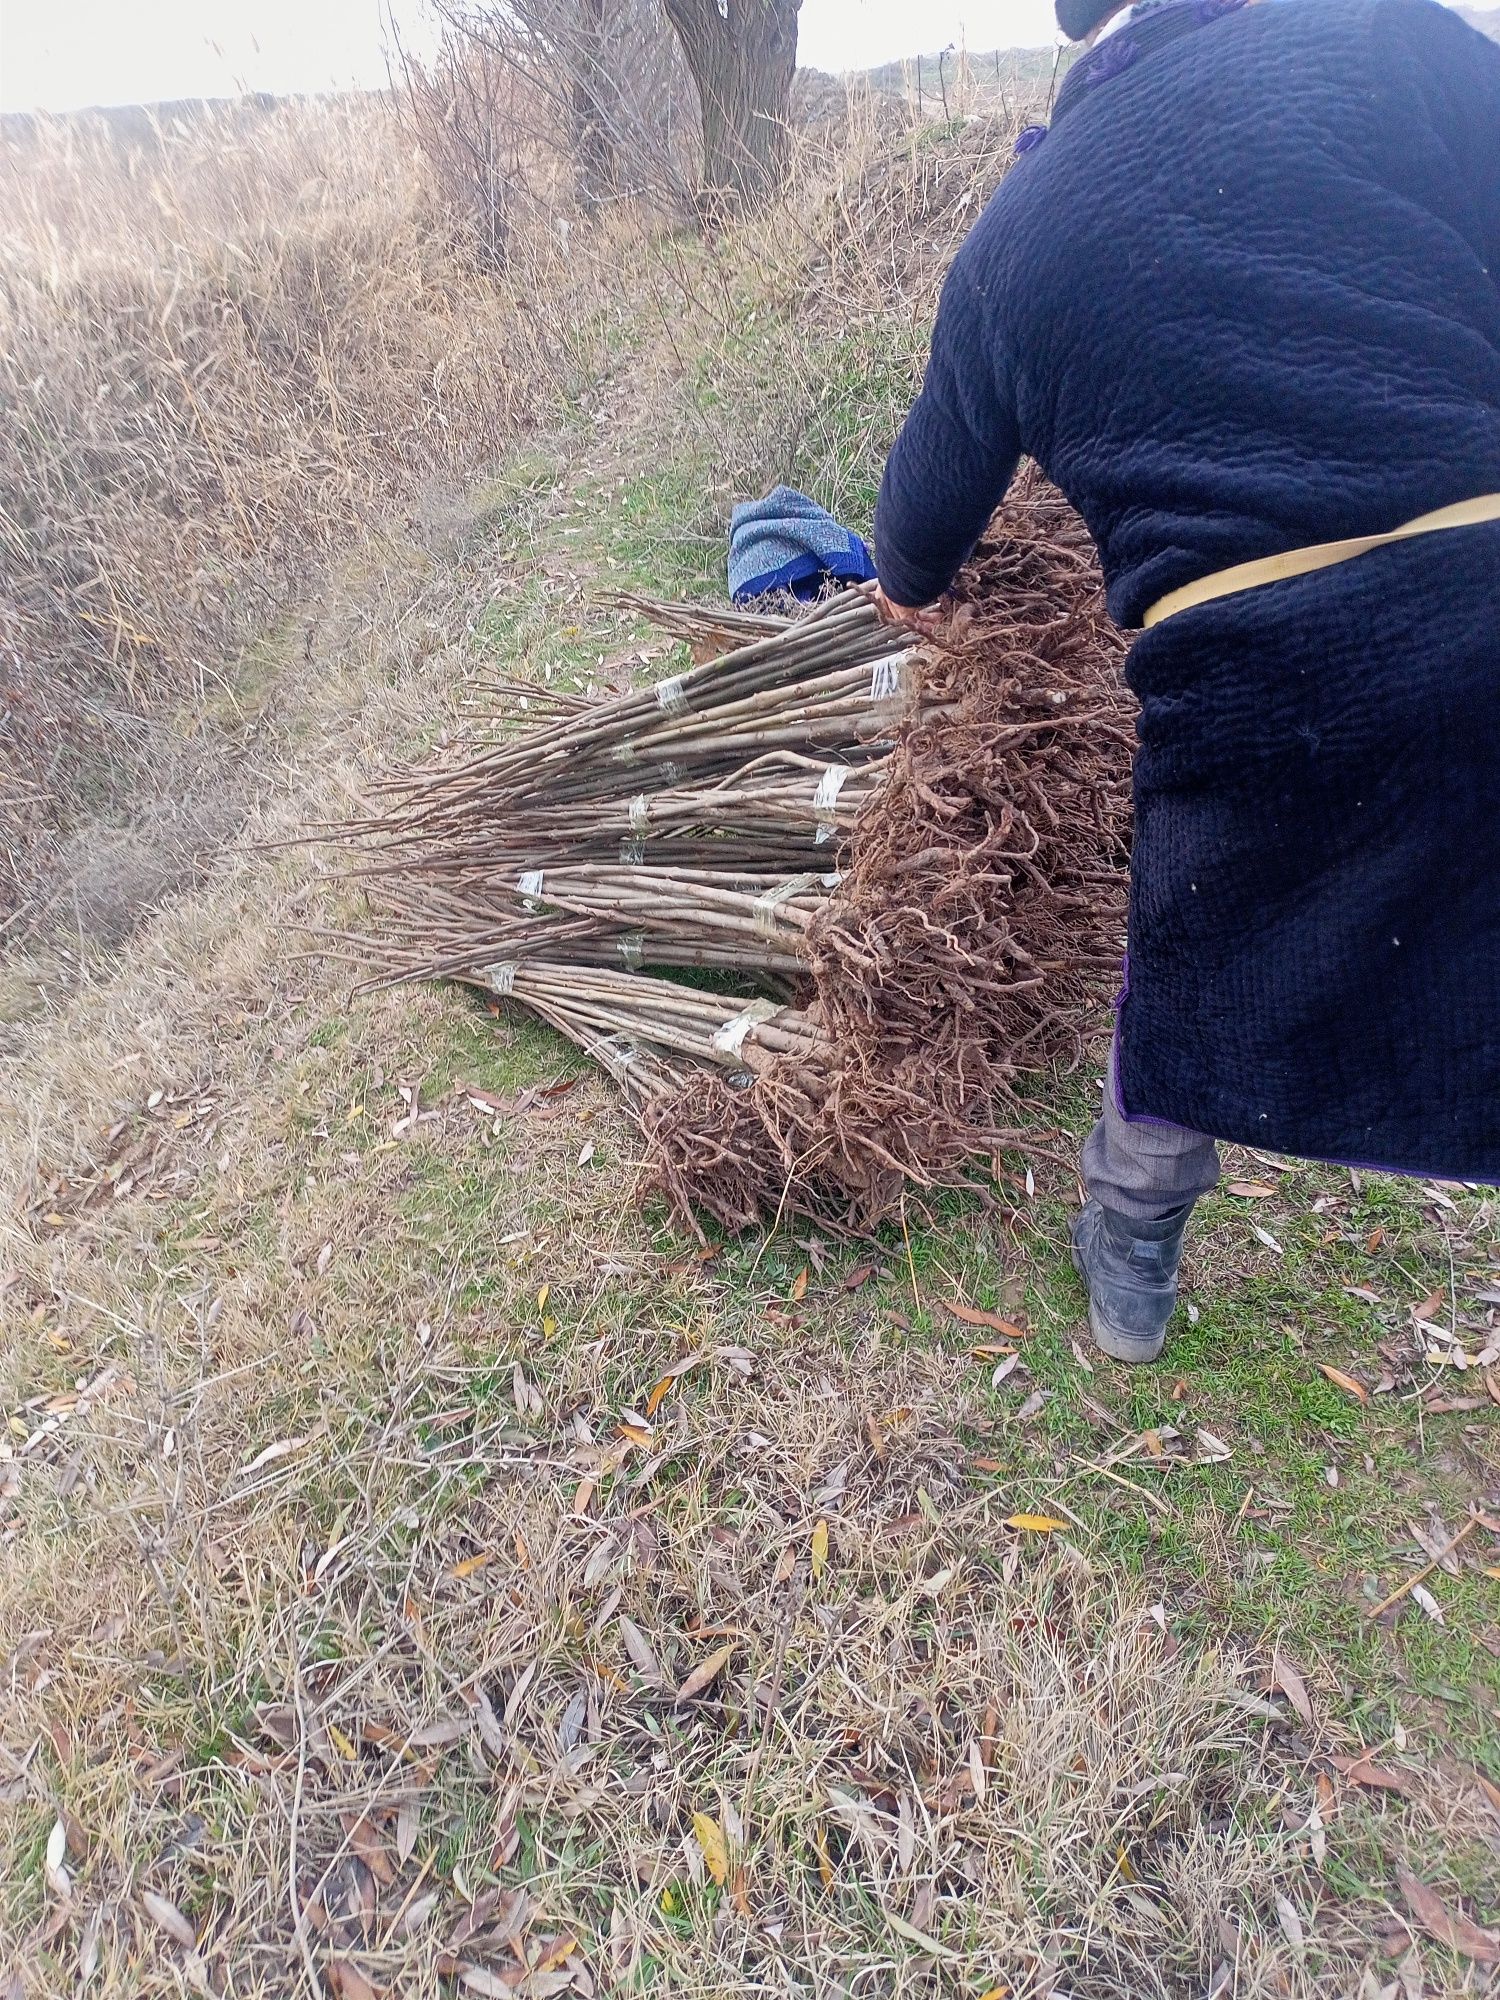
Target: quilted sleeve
{"type": "Point", "coordinates": [955, 456]}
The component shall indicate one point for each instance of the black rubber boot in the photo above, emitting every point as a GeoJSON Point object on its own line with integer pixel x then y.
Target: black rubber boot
{"type": "Point", "coordinates": [1130, 1269]}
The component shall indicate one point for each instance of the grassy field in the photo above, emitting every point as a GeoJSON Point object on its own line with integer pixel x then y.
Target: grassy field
{"type": "Point", "coordinates": [424, 1572]}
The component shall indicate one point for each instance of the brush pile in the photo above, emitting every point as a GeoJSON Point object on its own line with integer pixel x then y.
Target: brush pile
{"type": "Point", "coordinates": [896, 872]}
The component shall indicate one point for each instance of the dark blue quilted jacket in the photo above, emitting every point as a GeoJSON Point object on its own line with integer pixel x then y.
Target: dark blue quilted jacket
{"type": "Point", "coordinates": [1244, 296]}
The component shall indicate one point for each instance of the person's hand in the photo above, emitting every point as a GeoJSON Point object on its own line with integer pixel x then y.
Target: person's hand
{"type": "Point", "coordinates": [927, 620]}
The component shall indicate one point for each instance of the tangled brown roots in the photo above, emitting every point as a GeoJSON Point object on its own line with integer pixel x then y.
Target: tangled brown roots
{"type": "Point", "coordinates": [979, 919]}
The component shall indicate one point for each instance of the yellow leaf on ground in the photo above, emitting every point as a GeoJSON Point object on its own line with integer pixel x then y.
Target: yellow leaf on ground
{"type": "Point", "coordinates": [799, 1285]}
{"type": "Point", "coordinates": [564, 1948]}
{"type": "Point", "coordinates": [978, 1316]}
{"type": "Point", "coordinates": [470, 1564]}
{"type": "Point", "coordinates": [1034, 1524]}
{"type": "Point", "coordinates": [710, 1837]}
{"type": "Point", "coordinates": [706, 1671]}
{"type": "Point", "coordinates": [819, 1548]}
{"type": "Point", "coordinates": [825, 1866]}
{"type": "Point", "coordinates": [659, 1394]}
{"type": "Point", "coordinates": [913, 1936]}
{"type": "Point", "coordinates": [549, 1326]}
{"type": "Point", "coordinates": [1350, 1385]}
{"type": "Point", "coordinates": [342, 1744]}
{"type": "Point", "coordinates": [542, 1297]}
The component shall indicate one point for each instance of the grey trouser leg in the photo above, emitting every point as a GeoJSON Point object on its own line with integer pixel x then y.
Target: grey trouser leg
{"type": "Point", "coordinates": [1145, 1170]}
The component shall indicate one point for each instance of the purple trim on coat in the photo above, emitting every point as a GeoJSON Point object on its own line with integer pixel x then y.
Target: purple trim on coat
{"type": "Point", "coordinates": [1132, 1117]}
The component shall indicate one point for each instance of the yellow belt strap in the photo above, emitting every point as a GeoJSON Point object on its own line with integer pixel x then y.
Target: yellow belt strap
{"type": "Point", "coordinates": [1323, 555]}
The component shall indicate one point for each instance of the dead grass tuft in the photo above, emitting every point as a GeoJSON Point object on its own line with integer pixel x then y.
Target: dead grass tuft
{"type": "Point", "coordinates": [223, 347]}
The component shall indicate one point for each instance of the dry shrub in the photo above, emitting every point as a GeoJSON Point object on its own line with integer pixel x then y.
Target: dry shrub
{"type": "Point", "coordinates": [807, 325]}
{"type": "Point", "coordinates": [224, 345]}
{"type": "Point", "coordinates": [899, 211]}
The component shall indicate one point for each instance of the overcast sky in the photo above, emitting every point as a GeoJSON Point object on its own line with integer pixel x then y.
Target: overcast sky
{"type": "Point", "coordinates": [64, 53]}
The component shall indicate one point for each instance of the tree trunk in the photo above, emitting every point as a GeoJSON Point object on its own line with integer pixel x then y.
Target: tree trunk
{"type": "Point", "coordinates": [742, 60]}
{"type": "Point", "coordinates": [592, 142]}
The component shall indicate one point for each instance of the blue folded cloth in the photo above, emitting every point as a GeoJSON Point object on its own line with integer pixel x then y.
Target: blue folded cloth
{"type": "Point", "coordinates": [788, 542]}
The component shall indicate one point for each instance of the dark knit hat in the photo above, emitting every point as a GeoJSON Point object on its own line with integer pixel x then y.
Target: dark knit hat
{"type": "Point", "coordinates": [1078, 18]}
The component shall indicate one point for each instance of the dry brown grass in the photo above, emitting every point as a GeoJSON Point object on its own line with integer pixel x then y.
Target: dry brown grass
{"type": "Point", "coordinates": [224, 348]}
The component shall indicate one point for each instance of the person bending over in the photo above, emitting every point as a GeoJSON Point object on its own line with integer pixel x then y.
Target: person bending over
{"type": "Point", "coordinates": [1243, 299]}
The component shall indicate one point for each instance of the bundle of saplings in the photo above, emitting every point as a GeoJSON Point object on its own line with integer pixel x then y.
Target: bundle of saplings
{"type": "Point", "coordinates": [817, 904]}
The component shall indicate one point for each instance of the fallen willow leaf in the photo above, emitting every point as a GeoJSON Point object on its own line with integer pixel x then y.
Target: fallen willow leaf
{"type": "Point", "coordinates": [417, 1914]}
{"type": "Point", "coordinates": [1250, 1190]}
{"type": "Point", "coordinates": [489, 1985]}
{"type": "Point", "coordinates": [1445, 1926]}
{"type": "Point", "coordinates": [1375, 1777]}
{"type": "Point", "coordinates": [913, 1936]}
{"type": "Point", "coordinates": [979, 1316]}
{"type": "Point", "coordinates": [348, 1982]}
{"type": "Point", "coordinates": [471, 1564]}
{"type": "Point", "coordinates": [438, 1735]}
{"type": "Point", "coordinates": [1035, 1403]}
{"type": "Point", "coordinates": [819, 1548]}
{"type": "Point", "coordinates": [1290, 1922]}
{"type": "Point", "coordinates": [705, 1672]}
{"type": "Point", "coordinates": [1267, 1238]}
{"type": "Point", "coordinates": [88, 1946]}
{"type": "Point", "coordinates": [55, 1874]}
{"type": "Point", "coordinates": [283, 1448]}
{"type": "Point", "coordinates": [659, 1394]}
{"type": "Point", "coordinates": [1292, 1686]}
{"type": "Point", "coordinates": [167, 1917]}
{"type": "Point", "coordinates": [563, 1949]}
{"type": "Point", "coordinates": [1211, 1449]}
{"type": "Point", "coordinates": [715, 1849]}
{"type": "Point", "coordinates": [1317, 1837]}
{"type": "Point", "coordinates": [642, 1658]}
{"type": "Point", "coordinates": [799, 1286]}
{"type": "Point", "coordinates": [1421, 1595]}
{"type": "Point", "coordinates": [1034, 1524]}
{"type": "Point", "coordinates": [342, 1744]}
{"type": "Point", "coordinates": [1350, 1384]}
